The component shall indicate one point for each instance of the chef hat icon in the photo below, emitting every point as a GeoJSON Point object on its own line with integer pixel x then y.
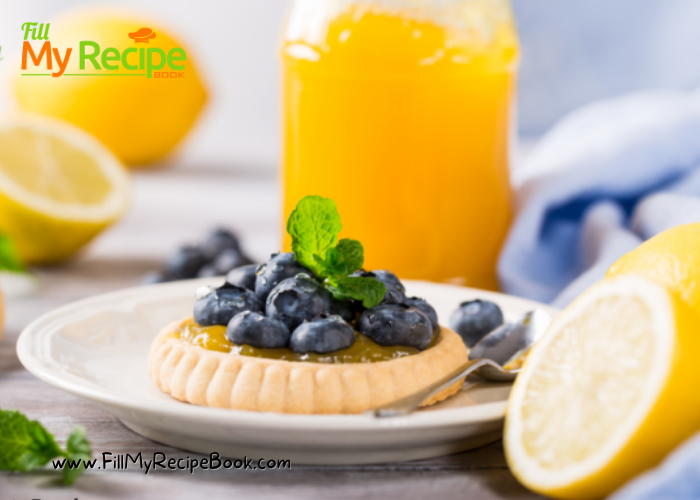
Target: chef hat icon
{"type": "Point", "coordinates": [142, 35]}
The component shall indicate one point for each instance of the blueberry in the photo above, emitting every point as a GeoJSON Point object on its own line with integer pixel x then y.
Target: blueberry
{"type": "Point", "coordinates": [345, 309]}
{"type": "Point", "coordinates": [396, 324]}
{"type": "Point", "coordinates": [395, 291]}
{"type": "Point", "coordinates": [323, 334]}
{"type": "Point", "coordinates": [223, 303]}
{"type": "Point", "coordinates": [203, 291]}
{"type": "Point", "coordinates": [228, 259]}
{"type": "Point", "coordinates": [243, 276]}
{"type": "Point", "coordinates": [219, 240]}
{"type": "Point", "coordinates": [298, 299]}
{"type": "Point", "coordinates": [257, 330]}
{"type": "Point", "coordinates": [184, 263]}
{"type": "Point", "coordinates": [474, 319]}
{"type": "Point", "coordinates": [358, 306]}
{"type": "Point", "coordinates": [280, 267]}
{"type": "Point", "coordinates": [423, 305]}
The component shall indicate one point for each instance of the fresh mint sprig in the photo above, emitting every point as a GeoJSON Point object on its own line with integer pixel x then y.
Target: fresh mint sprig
{"type": "Point", "coordinates": [314, 226]}
{"type": "Point", "coordinates": [343, 259]}
{"type": "Point", "coordinates": [9, 260]}
{"type": "Point", "coordinates": [26, 445]}
{"type": "Point", "coordinates": [369, 291]}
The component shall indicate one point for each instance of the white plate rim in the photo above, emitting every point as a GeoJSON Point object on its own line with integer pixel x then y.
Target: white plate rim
{"type": "Point", "coordinates": [254, 420]}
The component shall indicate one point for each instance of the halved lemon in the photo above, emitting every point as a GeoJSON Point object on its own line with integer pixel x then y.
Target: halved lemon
{"type": "Point", "coordinates": [670, 258]}
{"type": "Point", "coordinates": [59, 187]}
{"type": "Point", "coordinates": [609, 390]}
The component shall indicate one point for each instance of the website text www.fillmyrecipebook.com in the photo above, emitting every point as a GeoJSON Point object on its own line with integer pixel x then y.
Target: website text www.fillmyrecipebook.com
{"type": "Point", "coordinates": [161, 461]}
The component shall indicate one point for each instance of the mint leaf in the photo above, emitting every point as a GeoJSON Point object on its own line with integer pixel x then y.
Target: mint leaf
{"type": "Point", "coordinates": [369, 290]}
{"type": "Point", "coordinates": [78, 449]}
{"type": "Point", "coordinates": [26, 445]}
{"type": "Point", "coordinates": [314, 226]}
{"type": "Point", "coordinates": [346, 258]}
{"type": "Point", "coordinates": [9, 260]}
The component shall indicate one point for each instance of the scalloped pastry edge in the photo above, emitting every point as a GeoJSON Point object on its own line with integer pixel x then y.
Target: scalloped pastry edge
{"type": "Point", "coordinates": [198, 376]}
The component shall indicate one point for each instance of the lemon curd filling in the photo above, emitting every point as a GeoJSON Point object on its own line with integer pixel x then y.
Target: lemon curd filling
{"type": "Point", "coordinates": [364, 350]}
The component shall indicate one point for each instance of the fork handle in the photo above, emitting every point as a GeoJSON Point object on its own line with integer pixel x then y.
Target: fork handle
{"type": "Point", "coordinates": [412, 402]}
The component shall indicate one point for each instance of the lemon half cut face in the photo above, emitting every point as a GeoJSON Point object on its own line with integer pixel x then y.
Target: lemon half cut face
{"type": "Point", "coordinates": [59, 187]}
{"type": "Point", "coordinates": [607, 393]}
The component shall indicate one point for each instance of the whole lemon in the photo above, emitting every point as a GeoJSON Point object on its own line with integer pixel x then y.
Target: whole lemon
{"type": "Point", "coordinates": [671, 258]}
{"type": "Point", "coordinates": [140, 119]}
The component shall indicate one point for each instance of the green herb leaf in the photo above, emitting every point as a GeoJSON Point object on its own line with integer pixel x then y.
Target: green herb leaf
{"type": "Point", "coordinates": [9, 260]}
{"type": "Point", "coordinates": [78, 449]}
{"type": "Point", "coordinates": [314, 226]}
{"type": "Point", "coordinates": [346, 258]}
{"type": "Point", "coordinates": [26, 445]}
{"type": "Point", "coordinates": [369, 290]}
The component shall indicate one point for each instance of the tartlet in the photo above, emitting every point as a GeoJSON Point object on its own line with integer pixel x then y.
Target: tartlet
{"type": "Point", "coordinates": [311, 333]}
{"type": "Point", "coordinates": [210, 378]}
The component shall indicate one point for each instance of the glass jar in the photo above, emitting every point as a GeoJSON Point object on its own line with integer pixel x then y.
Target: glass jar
{"type": "Point", "coordinates": [401, 112]}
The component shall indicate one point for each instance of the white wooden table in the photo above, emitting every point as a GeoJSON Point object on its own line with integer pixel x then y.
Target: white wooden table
{"type": "Point", "coordinates": [171, 208]}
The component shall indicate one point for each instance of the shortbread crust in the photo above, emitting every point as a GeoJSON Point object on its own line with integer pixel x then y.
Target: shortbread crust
{"type": "Point", "coordinates": [210, 378]}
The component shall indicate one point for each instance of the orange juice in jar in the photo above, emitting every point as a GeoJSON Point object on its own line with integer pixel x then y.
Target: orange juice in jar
{"type": "Point", "coordinates": [401, 112]}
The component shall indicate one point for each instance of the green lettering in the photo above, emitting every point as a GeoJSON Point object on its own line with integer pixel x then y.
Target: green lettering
{"type": "Point", "coordinates": [91, 57]}
{"type": "Point", "coordinates": [125, 59]}
{"type": "Point", "coordinates": [141, 58]}
{"type": "Point", "coordinates": [43, 34]}
{"type": "Point", "coordinates": [43, 30]}
{"type": "Point", "coordinates": [172, 59]}
{"type": "Point", "coordinates": [150, 65]}
{"type": "Point", "coordinates": [109, 55]}
{"type": "Point", "coordinates": [29, 26]}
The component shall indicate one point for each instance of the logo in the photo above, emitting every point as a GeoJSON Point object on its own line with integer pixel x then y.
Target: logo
{"type": "Point", "coordinates": [39, 33]}
{"type": "Point", "coordinates": [143, 35]}
{"type": "Point", "coordinates": [94, 60]}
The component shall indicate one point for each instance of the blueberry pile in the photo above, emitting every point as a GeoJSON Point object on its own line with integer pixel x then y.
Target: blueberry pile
{"type": "Point", "coordinates": [217, 255]}
{"type": "Point", "coordinates": [474, 319]}
{"type": "Point", "coordinates": [281, 304]}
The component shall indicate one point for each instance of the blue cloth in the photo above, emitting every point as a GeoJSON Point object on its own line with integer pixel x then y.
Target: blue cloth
{"type": "Point", "coordinates": [677, 478]}
{"type": "Point", "coordinates": [604, 179]}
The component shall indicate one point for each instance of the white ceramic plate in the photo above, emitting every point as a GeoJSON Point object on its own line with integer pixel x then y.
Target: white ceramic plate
{"type": "Point", "coordinates": [97, 349]}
